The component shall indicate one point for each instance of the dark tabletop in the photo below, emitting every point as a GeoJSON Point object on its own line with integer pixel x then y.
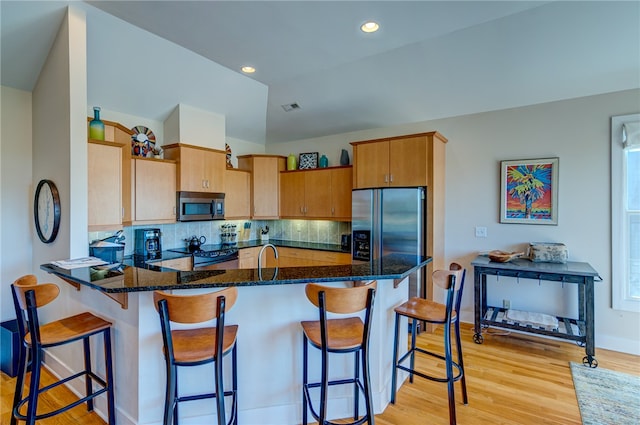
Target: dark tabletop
{"type": "Point", "coordinates": [128, 277]}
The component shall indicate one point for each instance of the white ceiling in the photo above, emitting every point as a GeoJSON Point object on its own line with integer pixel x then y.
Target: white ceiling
{"type": "Point", "coordinates": [431, 59]}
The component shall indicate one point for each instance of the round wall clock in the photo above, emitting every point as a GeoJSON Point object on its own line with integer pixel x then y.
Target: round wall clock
{"type": "Point", "coordinates": [46, 211]}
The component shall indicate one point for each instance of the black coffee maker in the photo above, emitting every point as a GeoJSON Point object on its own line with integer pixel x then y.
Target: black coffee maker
{"type": "Point", "coordinates": [147, 243]}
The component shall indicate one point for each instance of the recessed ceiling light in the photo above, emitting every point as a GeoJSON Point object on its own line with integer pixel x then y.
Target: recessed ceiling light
{"type": "Point", "coordinates": [248, 69]}
{"type": "Point", "coordinates": [370, 26]}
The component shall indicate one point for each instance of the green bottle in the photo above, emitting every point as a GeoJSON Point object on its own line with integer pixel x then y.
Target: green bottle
{"type": "Point", "coordinates": [291, 162]}
{"type": "Point", "coordinates": [96, 127]}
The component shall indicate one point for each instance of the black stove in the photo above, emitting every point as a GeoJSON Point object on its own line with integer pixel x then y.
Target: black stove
{"type": "Point", "coordinates": [210, 253]}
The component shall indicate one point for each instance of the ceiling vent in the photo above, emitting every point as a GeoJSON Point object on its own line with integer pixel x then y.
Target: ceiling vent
{"type": "Point", "coordinates": [290, 107]}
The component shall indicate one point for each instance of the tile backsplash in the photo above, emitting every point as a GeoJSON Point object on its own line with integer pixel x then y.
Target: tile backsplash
{"type": "Point", "coordinates": [174, 235]}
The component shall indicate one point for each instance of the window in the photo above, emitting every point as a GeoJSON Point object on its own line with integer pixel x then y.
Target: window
{"type": "Point", "coordinates": [625, 212]}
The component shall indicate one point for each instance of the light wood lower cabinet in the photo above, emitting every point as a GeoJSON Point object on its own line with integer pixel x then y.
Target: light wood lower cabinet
{"type": "Point", "coordinates": [184, 264]}
{"type": "Point", "coordinates": [291, 257]}
{"type": "Point", "coordinates": [297, 257]}
{"type": "Point", "coordinates": [248, 258]}
{"type": "Point", "coordinates": [105, 186]}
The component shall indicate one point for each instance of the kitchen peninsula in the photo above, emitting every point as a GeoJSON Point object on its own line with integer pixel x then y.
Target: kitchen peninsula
{"type": "Point", "coordinates": [271, 303]}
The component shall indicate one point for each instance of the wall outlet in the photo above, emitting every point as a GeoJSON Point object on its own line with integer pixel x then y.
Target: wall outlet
{"type": "Point", "coordinates": [481, 232]}
{"type": "Point", "coordinates": [506, 304]}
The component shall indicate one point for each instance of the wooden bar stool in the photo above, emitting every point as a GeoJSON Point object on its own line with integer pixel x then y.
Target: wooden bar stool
{"type": "Point", "coordinates": [419, 309]}
{"type": "Point", "coordinates": [26, 280]}
{"type": "Point", "coordinates": [340, 335]}
{"type": "Point", "coordinates": [28, 296]}
{"type": "Point", "coordinates": [194, 347]}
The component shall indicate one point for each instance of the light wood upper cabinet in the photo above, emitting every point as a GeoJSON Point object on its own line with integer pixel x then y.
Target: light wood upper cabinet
{"type": "Point", "coordinates": [402, 161]}
{"type": "Point", "coordinates": [265, 183]}
{"type": "Point", "coordinates": [292, 191]}
{"type": "Point", "coordinates": [199, 169]}
{"type": "Point", "coordinates": [237, 198]}
{"type": "Point", "coordinates": [341, 186]}
{"type": "Point", "coordinates": [317, 190]}
{"type": "Point", "coordinates": [114, 184]}
{"type": "Point", "coordinates": [154, 191]}
{"type": "Point", "coordinates": [323, 193]}
{"type": "Point", "coordinates": [105, 186]}
{"type": "Point", "coordinates": [372, 166]}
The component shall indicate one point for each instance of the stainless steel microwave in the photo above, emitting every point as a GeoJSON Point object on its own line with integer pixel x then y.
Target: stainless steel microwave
{"type": "Point", "coordinates": [200, 206]}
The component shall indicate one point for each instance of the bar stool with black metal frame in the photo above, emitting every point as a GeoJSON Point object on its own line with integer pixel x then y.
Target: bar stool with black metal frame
{"type": "Point", "coordinates": [199, 346]}
{"type": "Point", "coordinates": [339, 335]}
{"type": "Point", "coordinates": [448, 314]}
{"type": "Point", "coordinates": [23, 353]}
{"type": "Point", "coordinates": [28, 296]}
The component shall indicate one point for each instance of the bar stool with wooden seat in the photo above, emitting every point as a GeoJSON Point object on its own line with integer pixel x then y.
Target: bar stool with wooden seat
{"type": "Point", "coordinates": [26, 280]}
{"type": "Point", "coordinates": [339, 335]}
{"type": "Point", "coordinates": [419, 309]}
{"type": "Point", "coordinates": [28, 296]}
{"type": "Point", "coordinates": [199, 346]}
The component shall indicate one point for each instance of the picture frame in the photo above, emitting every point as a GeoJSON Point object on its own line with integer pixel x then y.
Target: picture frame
{"type": "Point", "coordinates": [308, 160]}
{"type": "Point", "coordinates": [529, 191]}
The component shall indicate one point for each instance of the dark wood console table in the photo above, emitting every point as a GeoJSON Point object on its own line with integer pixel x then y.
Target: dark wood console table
{"type": "Point", "coordinates": [581, 274]}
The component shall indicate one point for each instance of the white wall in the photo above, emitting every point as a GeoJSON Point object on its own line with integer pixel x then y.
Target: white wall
{"type": "Point", "coordinates": [16, 192]}
{"type": "Point", "coordinates": [195, 126]}
{"type": "Point", "coordinates": [129, 121]}
{"type": "Point", "coordinates": [576, 131]}
{"type": "Point", "coordinates": [242, 147]}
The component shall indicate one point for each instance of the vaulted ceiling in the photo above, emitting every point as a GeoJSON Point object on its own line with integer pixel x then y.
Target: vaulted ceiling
{"type": "Point", "coordinates": [430, 59]}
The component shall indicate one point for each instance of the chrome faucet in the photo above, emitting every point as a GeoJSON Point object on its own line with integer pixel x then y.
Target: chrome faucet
{"type": "Point", "coordinates": [275, 252]}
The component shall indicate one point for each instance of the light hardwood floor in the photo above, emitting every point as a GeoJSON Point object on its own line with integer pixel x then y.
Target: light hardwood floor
{"type": "Point", "coordinates": [511, 379]}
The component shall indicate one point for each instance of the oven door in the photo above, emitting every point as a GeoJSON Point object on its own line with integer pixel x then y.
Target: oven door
{"type": "Point", "coordinates": [230, 262]}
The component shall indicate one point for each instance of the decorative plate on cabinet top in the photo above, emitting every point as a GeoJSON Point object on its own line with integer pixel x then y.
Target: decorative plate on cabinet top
{"type": "Point", "coordinates": [143, 141]}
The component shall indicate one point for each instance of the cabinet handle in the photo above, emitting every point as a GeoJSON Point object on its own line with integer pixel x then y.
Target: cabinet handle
{"type": "Point", "coordinates": [333, 211]}
{"type": "Point", "coordinates": [301, 210]}
{"type": "Point", "coordinates": [386, 179]}
{"type": "Point", "coordinates": [391, 178]}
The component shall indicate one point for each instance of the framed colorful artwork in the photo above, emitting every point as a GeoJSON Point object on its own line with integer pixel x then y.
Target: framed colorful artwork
{"type": "Point", "coordinates": [529, 191]}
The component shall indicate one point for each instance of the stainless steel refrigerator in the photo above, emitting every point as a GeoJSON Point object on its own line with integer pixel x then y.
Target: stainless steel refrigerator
{"type": "Point", "coordinates": [390, 220]}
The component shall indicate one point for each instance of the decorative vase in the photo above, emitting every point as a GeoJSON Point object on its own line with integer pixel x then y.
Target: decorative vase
{"type": "Point", "coordinates": [291, 162]}
{"type": "Point", "coordinates": [344, 157]}
{"type": "Point", "coordinates": [96, 126]}
{"type": "Point", "coordinates": [324, 162]}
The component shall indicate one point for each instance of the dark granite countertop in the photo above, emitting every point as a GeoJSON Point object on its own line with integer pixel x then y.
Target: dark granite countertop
{"type": "Point", "coordinates": [128, 277]}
